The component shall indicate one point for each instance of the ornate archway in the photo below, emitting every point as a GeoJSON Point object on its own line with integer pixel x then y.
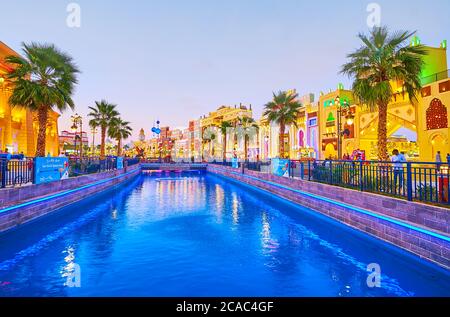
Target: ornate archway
{"type": "Point", "coordinates": [438, 142]}
{"type": "Point", "coordinates": [436, 115]}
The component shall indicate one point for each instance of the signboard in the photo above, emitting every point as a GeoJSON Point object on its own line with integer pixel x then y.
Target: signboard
{"type": "Point", "coordinates": [50, 169]}
{"type": "Point", "coordinates": [119, 162]}
{"type": "Point", "coordinates": [235, 163]}
{"type": "Point", "coordinates": [280, 167]}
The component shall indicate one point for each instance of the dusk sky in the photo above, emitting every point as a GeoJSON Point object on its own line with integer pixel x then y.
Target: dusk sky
{"type": "Point", "coordinates": [177, 60]}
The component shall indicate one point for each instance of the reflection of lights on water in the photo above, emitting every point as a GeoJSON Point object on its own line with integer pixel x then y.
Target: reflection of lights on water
{"type": "Point", "coordinates": [70, 266]}
{"type": "Point", "coordinates": [266, 227]}
{"type": "Point", "coordinates": [219, 202]}
{"type": "Point", "coordinates": [269, 245]}
{"type": "Point", "coordinates": [235, 208]}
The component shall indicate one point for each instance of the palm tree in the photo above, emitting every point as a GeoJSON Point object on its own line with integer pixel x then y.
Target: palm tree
{"type": "Point", "coordinates": [44, 80]}
{"type": "Point", "coordinates": [283, 110]}
{"type": "Point", "coordinates": [247, 125]}
{"type": "Point", "coordinates": [224, 126]}
{"type": "Point", "coordinates": [382, 59]}
{"type": "Point", "coordinates": [103, 115]}
{"type": "Point", "coordinates": [119, 130]}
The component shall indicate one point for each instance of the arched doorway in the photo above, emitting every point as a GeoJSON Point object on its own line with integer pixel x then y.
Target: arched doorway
{"type": "Point", "coordinates": [439, 143]}
{"type": "Point", "coordinates": [301, 139]}
{"type": "Point", "coordinates": [330, 151]}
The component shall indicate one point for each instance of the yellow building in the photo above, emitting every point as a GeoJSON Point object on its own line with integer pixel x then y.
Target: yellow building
{"type": "Point", "coordinates": [419, 129]}
{"type": "Point", "coordinates": [18, 126]}
{"type": "Point", "coordinates": [210, 125]}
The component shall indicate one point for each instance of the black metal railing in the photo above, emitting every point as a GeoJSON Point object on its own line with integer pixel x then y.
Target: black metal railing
{"type": "Point", "coordinates": [414, 181]}
{"type": "Point", "coordinates": [131, 162]}
{"type": "Point", "coordinates": [420, 181]}
{"type": "Point", "coordinates": [16, 172]}
{"type": "Point", "coordinates": [78, 167]}
{"type": "Point", "coordinates": [222, 163]}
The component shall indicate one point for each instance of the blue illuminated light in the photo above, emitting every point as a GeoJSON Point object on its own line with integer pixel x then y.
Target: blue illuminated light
{"type": "Point", "coordinates": [47, 198]}
{"type": "Point", "coordinates": [353, 208]}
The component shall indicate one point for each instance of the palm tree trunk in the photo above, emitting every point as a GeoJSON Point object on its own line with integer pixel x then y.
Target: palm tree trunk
{"type": "Point", "coordinates": [42, 132]}
{"type": "Point", "coordinates": [224, 143]}
{"type": "Point", "coordinates": [281, 139]}
{"type": "Point", "coordinates": [102, 145]}
{"type": "Point", "coordinates": [382, 132]}
{"type": "Point", "coordinates": [119, 147]}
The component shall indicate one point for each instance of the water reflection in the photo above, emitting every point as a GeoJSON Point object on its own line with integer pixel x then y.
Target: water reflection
{"type": "Point", "coordinates": [235, 208]}
{"type": "Point", "coordinates": [70, 267]}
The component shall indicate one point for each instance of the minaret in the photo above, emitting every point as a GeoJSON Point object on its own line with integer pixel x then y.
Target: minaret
{"type": "Point", "coordinates": [142, 135]}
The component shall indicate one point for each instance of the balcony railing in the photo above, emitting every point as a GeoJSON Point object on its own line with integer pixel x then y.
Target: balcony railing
{"type": "Point", "coordinates": [435, 77]}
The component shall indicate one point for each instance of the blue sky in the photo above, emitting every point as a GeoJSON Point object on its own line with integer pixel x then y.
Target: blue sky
{"type": "Point", "coordinates": [177, 60]}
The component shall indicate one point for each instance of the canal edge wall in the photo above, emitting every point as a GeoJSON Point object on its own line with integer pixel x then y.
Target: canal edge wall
{"type": "Point", "coordinates": [25, 204]}
{"type": "Point", "coordinates": [400, 223]}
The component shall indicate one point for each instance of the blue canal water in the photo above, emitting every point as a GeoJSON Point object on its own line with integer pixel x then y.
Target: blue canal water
{"type": "Point", "coordinates": [201, 236]}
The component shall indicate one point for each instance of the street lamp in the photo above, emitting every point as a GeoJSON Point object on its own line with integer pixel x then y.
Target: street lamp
{"type": "Point", "coordinates": [343, 111]}
{"type": "Point", "coordinates": [93, 131]}
{"type": "Point", "coordinates": [78, 122]}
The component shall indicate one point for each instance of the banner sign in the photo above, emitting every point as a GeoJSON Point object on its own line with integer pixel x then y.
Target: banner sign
{"type": "Point", "coordinates": [280, 167]}
{"type": "Point", "coordinates": [119, 162]}
{"type": "Point", "coordinates": [50, 169]}
{"type": "Point", "coordinates": [235, 163]}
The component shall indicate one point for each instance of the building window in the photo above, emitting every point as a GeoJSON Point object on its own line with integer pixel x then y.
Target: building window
{"type": "Point", "coordinates": [312, 122]}
{"type": "Point", "coordinates": [426, 91]}
{"type": "Point", "coordinates": [436, 115]}
{"type": "Point", "coordinates": [444, 87]}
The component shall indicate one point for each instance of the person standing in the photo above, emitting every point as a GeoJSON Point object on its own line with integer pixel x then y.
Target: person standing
{"type": "Point", "coordinates": [438, 160]}
{"type": "Point", "coordinates": [398, 159]}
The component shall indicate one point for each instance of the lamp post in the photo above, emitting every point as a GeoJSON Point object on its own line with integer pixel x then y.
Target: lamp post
{"type": "Point", "coordinates": [93, 131]}
{"type": "Point", "coordinates": [78, 123]}
{"type": "Point", "coordinates": [74, 129]}
{"type": "Point", "coordinates": [343, 110]}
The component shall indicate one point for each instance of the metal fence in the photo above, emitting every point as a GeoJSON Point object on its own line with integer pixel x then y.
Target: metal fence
{"type": "Point", "coordinates": [78, 167]}
{"type": "Point", "coordinates": [16, 172]}
{"type": "Point", "coordinates": [435, 77]}
{"type": "Point", "coordinates": [421, 181]}
{"type": "Point", "coordinates": [414, 181]}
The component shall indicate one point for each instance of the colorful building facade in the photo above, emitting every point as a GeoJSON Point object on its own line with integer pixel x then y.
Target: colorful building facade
{"type": "Point", "coordinates": [212, 144]}
{"type": "Point", "coordinates": [18, 126]}
{"type": "Point", "coordinates": [336, 125]}
{"type": "Point", "coordinates": [417, 128]}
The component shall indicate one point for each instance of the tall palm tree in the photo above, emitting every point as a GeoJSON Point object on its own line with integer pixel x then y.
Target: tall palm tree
{"type": "Point", "coordinates": [103, 115]}
{"type": "Point", "coordinates": [247, 125]}
{"type": "Point", "coordinates": [119, 130]}
{"type": "Point", "coordinates": [224, 126]}
{"type": "Point", "coordinates": [382, 59]}
{"type": "Point", "coordinates": [283, 110]}
{"type": "Point", "coordinates": [44, 80]}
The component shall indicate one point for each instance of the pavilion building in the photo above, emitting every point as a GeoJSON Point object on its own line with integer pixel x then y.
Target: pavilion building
{"type": "Point", "coordinates": [18, 126]}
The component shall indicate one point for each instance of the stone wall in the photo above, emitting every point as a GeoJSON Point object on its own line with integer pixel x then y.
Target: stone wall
{"type": "Point", "coordinates": [20, 205]}
{"type": "Point", "coordinates": [418, 228]}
